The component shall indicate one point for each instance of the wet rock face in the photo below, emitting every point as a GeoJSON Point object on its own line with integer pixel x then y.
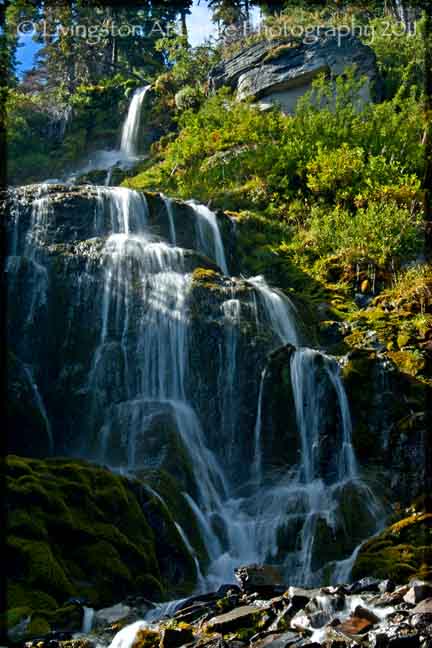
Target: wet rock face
{"type": "Point", "coordinates": [223, 312]}
{"type": "Point", "coordinates": [32, 434]}
{"type": "Point", "coordinates": [57, 273]}
{"type": "Point", "coordinates": [277, 72]}
{"type": "Point", "coordinates": [389, 412]}
{"type": "Point", "coordinates": [69, 214]}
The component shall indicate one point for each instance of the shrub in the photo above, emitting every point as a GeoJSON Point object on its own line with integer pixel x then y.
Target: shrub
{"type": "Point", "coordinates": [380, 232]}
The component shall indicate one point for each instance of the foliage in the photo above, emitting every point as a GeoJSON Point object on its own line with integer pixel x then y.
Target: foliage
{"type": "Point", "coordinates": [381, 231]}
{"type": "Point", "coordinates": [399, 52]}
{"type": "Point", "coordinates": [47, 131]}
{"type": "Point", "coordinates": [346, 178]}
{"type": "Point", "coordinates": [188, 65]}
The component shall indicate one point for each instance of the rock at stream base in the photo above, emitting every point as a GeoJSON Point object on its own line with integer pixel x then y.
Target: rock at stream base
{"type": "Point", "coordinates": [110, 615]}
{"type": "Point", "coordinates": [418, 592]}
{"type": "Point", "coordinates": [257, 577]}
{"type": "Point", "coordinates": [273, 640]}
{"type": "Point", "coordinates": [175, 637]}
{"type": "Point", "coordinates": [365, 585]}
{"type": "Point", "coordinates": [425, 607]}
{"type": "Point", "coordinates": [355, 625]}
{"type": "Point", "coordinates": [242, 617]}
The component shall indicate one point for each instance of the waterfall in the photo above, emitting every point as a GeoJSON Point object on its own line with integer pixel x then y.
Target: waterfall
{"type": "Point", "coordinates": [257, 465]}
{"type": "Point", "coordinates": [227, 382]}
{"type": "Point", "coordinates": [200, 578]}
{"type": "Point", "coordinates": [123, 157]}
{"type": "Point", "coordinates": [41, 406]}
{"type": "Point", "coordinates": [279, 311]}
{"type": "Point", "coordinates": [88, 617]}
{"type": "Point", "coordinates": [171, 218]}
{"type": "Point", "coordinates": [130, 132]}
{"type": "Point", "coordinates": [209, 238]}
{"type": "Point", "coordinates": [142, 399]}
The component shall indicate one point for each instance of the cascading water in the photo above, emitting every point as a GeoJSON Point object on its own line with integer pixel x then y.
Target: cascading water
{"type": "Point", "coordinates": [209, 238]}
{"type": "Point", "coordinates": [127, 154]}
{"type": "Point", "coordinates": [142, 392]}
{"type": "Point", "coordinates": [131, 126]}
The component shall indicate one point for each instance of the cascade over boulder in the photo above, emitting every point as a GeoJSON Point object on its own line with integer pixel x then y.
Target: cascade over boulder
{"type": "Point", "coordinates": [281, 71]}
{"type": "Point", "coordinates": [146, 355]}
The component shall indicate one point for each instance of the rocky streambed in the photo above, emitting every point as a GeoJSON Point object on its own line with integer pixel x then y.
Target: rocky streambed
{"type": "Point", "coordinates": [259, 612]}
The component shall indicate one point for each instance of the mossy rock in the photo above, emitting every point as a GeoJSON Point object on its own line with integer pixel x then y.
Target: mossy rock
{"type": "Point", "coordinates": [91, 534]}
{"type": "Point", "coordinates": [401, 552]}
{"type": "Point", "coordinates": [206, 278]}
{"type": "Point", "coordinates": [409, 362]}
{"type": "Point", "coordinates": [146, 639]}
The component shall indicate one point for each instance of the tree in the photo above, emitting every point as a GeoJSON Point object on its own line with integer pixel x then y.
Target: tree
{"type": "Point", "coordinates": [230, 15]}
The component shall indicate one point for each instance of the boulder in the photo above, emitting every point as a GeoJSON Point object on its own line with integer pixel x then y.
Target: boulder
{"type": "Point", "coordinates": [175, 637]}
{"type": "Point", "coordinates": [243, 617]}
{"type": "Point", "coordinates": [355, 625]}
{"type": "Point", "coordinates": [367, 584]}
{"type": "Point", "coordinates": [111, 615]}
{"type": "Point", "coordinates": [425, 607]}
{"type": "Point", "coordinates": [299, 597]}
{"type": "Point", "coordinates": [91, 534]}
{"type": "Point", "coordinates": [256, 577]}
{"type": "Point", "coordinates": [364, 613]}
{"type": "Point", "coordinates": [277, 72]}
{"type": "Point", "coordinates": [273, 640]}
{"type": "Point", "coordinates": [418, 592]}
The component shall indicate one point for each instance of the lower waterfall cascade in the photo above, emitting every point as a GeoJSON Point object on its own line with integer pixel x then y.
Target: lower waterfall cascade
{"type": "Point", "coordinates": [140, 392]}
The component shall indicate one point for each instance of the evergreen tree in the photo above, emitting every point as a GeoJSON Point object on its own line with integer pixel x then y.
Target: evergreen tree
{"type": "Point", "coordinates": [230, 16]}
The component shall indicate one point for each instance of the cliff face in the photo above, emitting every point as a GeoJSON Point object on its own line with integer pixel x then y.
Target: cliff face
{"type": "Point", "coordinates": [281, 71]}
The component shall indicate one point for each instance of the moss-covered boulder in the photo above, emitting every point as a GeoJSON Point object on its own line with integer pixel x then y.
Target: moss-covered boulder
{"type": "Point", "coordinates": [401, 552]}
{"type": "Point", "coordinates": [78, 530]}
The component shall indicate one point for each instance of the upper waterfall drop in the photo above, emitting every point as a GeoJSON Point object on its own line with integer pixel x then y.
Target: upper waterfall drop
{"type": "Point", "coordinates": [130, 132]}
{"type": "Point", "coordinates": [123, 156]}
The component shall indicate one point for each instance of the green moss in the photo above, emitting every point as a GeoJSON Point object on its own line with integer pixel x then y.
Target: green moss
{"type": "Point", "coordinates": [16, 615]}
{"type": "Point", "coordinates": [91, 533]}
{"type": "Point", "coordinates": [206, 278]}
{"type": "Point", "coordinates": [245, 634]}
{"type": "Point", "coordinates": [19, 595]}
{"type": "Point", "coordinates": [409, 362]}
{"type": "Point", "coordinates": [224, 605]}
{"type": "Point", "coordinates": [38, 627]}
{"type": "Point", "coordinates": [401, 552]}
{"type": "Point", "coordinates": [44, 571]}
{"type": "Point", "coordinates": [146, 639]}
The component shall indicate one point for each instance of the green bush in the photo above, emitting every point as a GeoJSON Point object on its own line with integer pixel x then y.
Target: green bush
{"type": "Point", "coordinates": [380, 232]}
